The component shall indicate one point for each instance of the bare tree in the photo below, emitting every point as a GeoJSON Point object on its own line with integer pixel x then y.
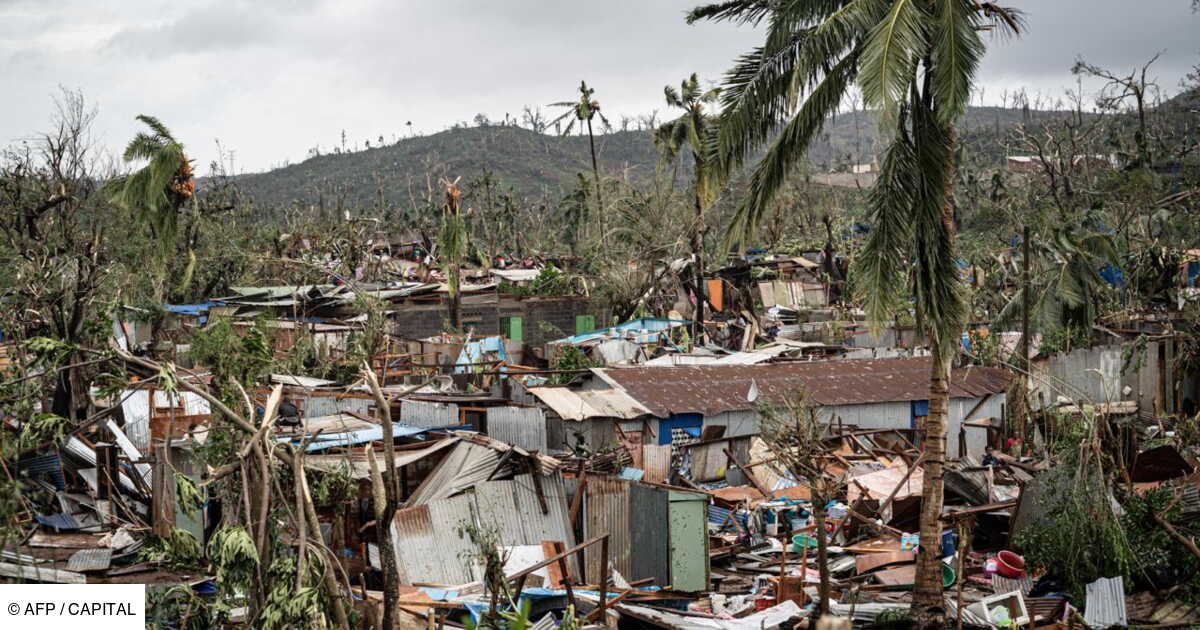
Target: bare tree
{"type": "Point", "coordinates": [797, 439]}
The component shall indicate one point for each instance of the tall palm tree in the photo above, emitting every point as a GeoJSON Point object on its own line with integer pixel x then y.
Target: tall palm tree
{"type": "Point", "coordinates": [914, 62]}
{"type": "Point", "coordinates": [694, 131]}
{"type": "Point", "coordinates": [452, 250]}
{"type": "Point", "coordinates": [1067, 283]}
{"type": "Point", "coordinates": [155, 192]}
{"type": "Point", "coordinates": [583, 111]}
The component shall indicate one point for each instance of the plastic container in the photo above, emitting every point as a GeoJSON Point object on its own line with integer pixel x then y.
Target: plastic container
{"type": "Point", "coordinates": [763, 603]}
{"type": "Point", "coordinates": [800, 541]}
{"type": "Point", "coordinates": [948, 576]}
{"type": "Point", "coordinates": [1010, 565]}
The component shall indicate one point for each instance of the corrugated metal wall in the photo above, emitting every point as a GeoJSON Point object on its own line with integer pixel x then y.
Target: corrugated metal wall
{"type": "Point", "coordinates": [606, 511]}
{"type": "Point", "coordinates": [429, 549]}
{"type": "Point", "coordinates": [418, 530]}
{"type": "Point", "coordinates": [1093, 375]}
{"type": "Point", "coordinates": [415, 413]}
{"type": "Point", "coordinates": [317, 406]}
{"type": "Point", "coordinates": [656, 460]}
{"type": "Point", "coordinates": [651, 536]}
{"type": "Point", "coordinates": [522, 426]}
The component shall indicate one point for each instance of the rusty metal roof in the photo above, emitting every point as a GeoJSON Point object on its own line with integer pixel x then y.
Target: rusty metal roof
{"type": "Point", "coordinates": [712, 389]}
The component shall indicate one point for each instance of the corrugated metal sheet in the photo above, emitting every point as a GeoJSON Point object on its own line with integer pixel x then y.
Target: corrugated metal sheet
{"type": "Point", "coordinates": [136, 409]}
{"type": "Point", "coordinates": [606, 511]}
{"type": "Point", "coordinates": [48, 464]}
{"type": "Point", "coordinates": [651, 536]}
{"type": "Point", "coordinates": [656, 460]}
{"type": "Point", "coordinates": [360, 467]}
{"type": "Point", "coordinates": [416, 413]}
{"type": "Point", "coordinates": [522, 426]}
{"type": "Point", "coordinates": [467, 465]}
{"type": "Point", "coordinates": [572, 404]}
{"type": "Point", "coordinates": [428, 548]}
{"type": "Point", "coordinates": [90, 560]}
{"type": "Point", "coordinates": [314, 406]}
{"type": "Point", "coordinates": [712, 389]}
{"type": "Point", "coordinates": [1105, 605]}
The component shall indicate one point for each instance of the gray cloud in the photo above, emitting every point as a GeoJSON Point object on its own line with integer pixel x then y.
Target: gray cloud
{"type": "Point", "coordinates": [271, 79]}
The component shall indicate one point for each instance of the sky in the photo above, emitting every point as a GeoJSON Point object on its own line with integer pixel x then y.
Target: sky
{"type": "Point", "coordinates": [270, 79]}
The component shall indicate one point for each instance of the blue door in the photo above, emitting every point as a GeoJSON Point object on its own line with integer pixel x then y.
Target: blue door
{"type": "Point", "coordinates": [682, 426]}
{"type": "Point", "coordinates": [920, 410]}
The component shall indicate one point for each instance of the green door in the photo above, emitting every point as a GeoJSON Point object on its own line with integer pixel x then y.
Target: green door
{"type": "Point", "coordinates": [689, 541]}
{"type": "Point", "coordinates": [584, 323]}
{"type": "Point", "coordinates": [513, 328]}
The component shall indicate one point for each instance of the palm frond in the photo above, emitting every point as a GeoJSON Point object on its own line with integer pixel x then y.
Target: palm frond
{"type": "Point", "coordinates": [157, 127]}
{"type": "Point", "coordinates": [789, 148]}
{"type": "Point", "coordinates": [937, 287]}
{"type": "Point", "coordinates": [888, 56]}
{"type": "Point", "coordinates": [739, 11]}
{"type": "Point", "coordinates": [957, 49]}
{"type": "Point", "coordinates": [883, 264]}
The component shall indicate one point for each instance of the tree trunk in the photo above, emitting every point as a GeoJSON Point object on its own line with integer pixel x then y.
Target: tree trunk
{"type": "Point", "coordinates": [698, 270]}
{"type": "Point", "coordinates": [928, 599]}
{"type": "Point", "coordinates": [822, 558]}
{"type": "Point", "coordinates": [596, 174]}
{"type": "Point", "coordinates": [927, 590]}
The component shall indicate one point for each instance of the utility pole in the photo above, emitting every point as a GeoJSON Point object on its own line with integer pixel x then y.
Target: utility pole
{"type": "Point", "coordinates": [1025, 365]}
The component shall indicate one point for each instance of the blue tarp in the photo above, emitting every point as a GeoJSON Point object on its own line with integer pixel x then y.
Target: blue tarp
{"type": "Point", "coordinates": [350, 438]}
{"type": "Point", "coordinates": [644, 330]}
{"type": "Point", "coordinates": [199, 311]}
{"type": "Point", "coordinates": [1113, 275]}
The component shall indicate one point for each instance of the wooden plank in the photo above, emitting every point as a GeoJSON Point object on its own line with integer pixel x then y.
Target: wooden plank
{"type": "Point", "coordinates": [868, 562]}
{"type": "Point", "coordinates": [554, 572]}
{"type": "Point", "coordinates": [41, 575]}
{"type": "Point", "coordinates": [898, 576]}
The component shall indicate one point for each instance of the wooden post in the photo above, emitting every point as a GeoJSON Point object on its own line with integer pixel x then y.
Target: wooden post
{"type": "Point", "coordinates": [1024, 332]}
{"type": "Point", "coordinates": [162, 502]}
{"type": "Point", "coordinates": [604, 580]}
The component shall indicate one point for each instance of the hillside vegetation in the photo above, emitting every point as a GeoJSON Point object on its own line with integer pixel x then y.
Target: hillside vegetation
{"type": "Point", "coordinates": [537, 165]}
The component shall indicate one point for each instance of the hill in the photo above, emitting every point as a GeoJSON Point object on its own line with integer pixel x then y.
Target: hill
{"type": "Point", "coordinates": [536, 165]}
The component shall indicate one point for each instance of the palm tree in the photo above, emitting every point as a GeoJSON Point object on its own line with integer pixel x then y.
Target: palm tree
{"type": "Point", "coordinates": [452, 249]}
{"type": "Point", "coordinates": [914, 62]}
{"type": "Point", "coordinates": [695, 130]}
{"type": "Point", "coordinates": [583, 111]}
{"type": "Point", "coordinates": [1067, 283]}
{"type": "Point", "coordinates": [157, 191]}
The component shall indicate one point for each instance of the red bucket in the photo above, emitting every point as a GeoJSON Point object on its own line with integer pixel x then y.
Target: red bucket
{"type": "Point", "coordinates": [763, 603]}
{"type": "Point", "coordinates": [1010, 565]}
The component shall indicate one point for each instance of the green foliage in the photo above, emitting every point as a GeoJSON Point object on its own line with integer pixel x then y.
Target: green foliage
{"type": "Point", "coordinates": [1074, 506]}
{"type": "Point", "coordinates": [234, 558]}
{"type": "Point", "coordinates": [1162, 560]}
{"type": "Point", "coordinates": [333, 488]}
{"type": "Point", "coordinates": [567, 357]}
{"type": "Point", "coordinates": [241, 354]}
{"type": "Point", "coordinates": [286, 607]}
{"type": "Point", "coordinates": [188, 497]}
{"type": "Point", "coordinates": [179, 607]}
{"type": "Point", "coordinates": [156, 191]}
{"type": "Point", "coordinates": [549, 281]}
{"type": "Point", "coordinates": [179, 550]}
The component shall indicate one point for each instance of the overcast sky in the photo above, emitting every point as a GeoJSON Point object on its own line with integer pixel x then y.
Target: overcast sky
{"type": "Point", "coordinates": [270, 78]}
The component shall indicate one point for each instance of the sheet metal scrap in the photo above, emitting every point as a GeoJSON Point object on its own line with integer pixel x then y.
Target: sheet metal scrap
{"type": "Point", "coordinates": [90, 560]}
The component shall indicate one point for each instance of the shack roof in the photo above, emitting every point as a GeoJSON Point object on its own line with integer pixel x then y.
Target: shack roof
{"type": "Point", "coordinates": [712, 389]}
